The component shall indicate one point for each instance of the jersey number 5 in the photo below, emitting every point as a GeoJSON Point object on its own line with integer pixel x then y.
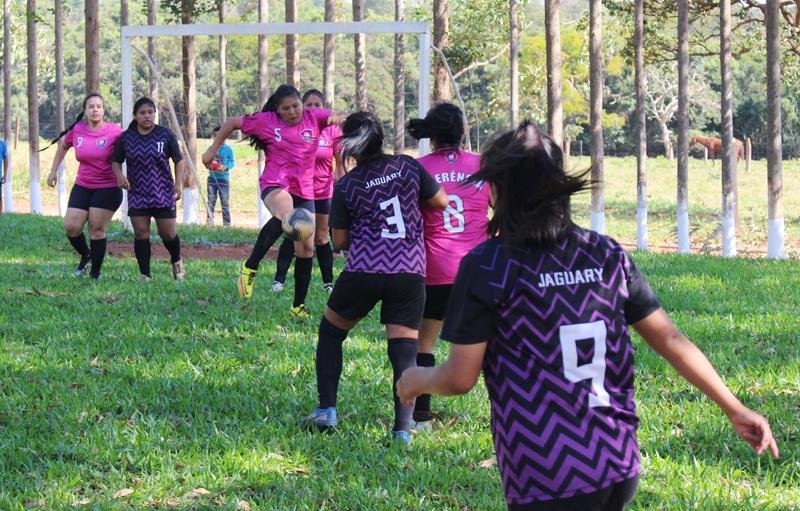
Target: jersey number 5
{"type": "Point", "coordinates": [395, 219]}
{"type": "Point", "coordinates": [278, 137]}
{"type": "Point", "coordinates": [569, 335]}
{"type": "Point", "coordinates": [454, 211]}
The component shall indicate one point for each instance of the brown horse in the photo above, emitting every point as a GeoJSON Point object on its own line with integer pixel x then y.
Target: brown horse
{"type": "Point", "coordinates": [714, 145]}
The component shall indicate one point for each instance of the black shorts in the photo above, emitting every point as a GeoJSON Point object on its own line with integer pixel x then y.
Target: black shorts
{"type": "Point", "coordinates": [157, 213]}
{"type": "Point", "coordinates": [436, 300]}
{"type": "Point", "coordinates": [322, 206]}
{"type": "Point", "coordinates": [104, 198]}
{"type": "Point", "coordinates": [402, 297]}
{"type": "Point", "coordinates": [297, 202]}
{"type": "Point", "coordinates": [613, 498]}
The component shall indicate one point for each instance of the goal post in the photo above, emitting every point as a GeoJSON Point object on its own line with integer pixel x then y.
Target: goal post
{"type": "Point", "coordinates": [131, 32]}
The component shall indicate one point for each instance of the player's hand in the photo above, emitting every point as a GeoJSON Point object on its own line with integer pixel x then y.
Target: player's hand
{"type": "Point", "coordinates": [51, 180]}
{"type": "Point", "coordinates": [407, 385]}
{"type": "Point", "coordinates": [337, 118]}
{"type": "Point", "coordinates": [3, 181]}
{"type": "Point", "coordinates": [207, 159]}
{"type": "Point", "coordinates": [177, 193]}
{"type": "Point", "coordinates": [122, 182]}
{"type": "Point", "coordinates": [754, 429]}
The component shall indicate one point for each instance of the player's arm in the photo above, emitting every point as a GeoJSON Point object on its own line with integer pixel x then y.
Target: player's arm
{"type": "Point", "coordinates": [662, 335]}
{"type": "Point", "coordinates": [455, 377]}
{"type": "Point", "coordinates": [438, 201]}
{"type": "Point", "coordinates": [61, 152]}
{"type": "Point", "coordinates": [340, 220]}
{"type": "Point", "coordinates": [431, 193]}
{"type": "Point", "coordinates": [341, 239]}
{"type": "Point", "coordinates": [228, 127]}
{"type": "Point", "coordinates": [181, 170]}
{"type": "Point", "coordinates": [6, 168]}
{"type": "Point", "coordinates": [116, 165]}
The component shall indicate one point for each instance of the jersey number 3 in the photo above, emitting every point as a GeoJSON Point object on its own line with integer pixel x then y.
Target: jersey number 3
{"type": "Point", "coordinates": [569, 335]}
{"type": "Point", "coordinates": [395, 219]}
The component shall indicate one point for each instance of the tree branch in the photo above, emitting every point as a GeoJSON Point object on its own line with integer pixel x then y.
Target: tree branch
{"type": "Point", "coordinates": [482, 63]}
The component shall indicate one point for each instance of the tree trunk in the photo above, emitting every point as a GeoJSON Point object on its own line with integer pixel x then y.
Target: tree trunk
{"type": "Point", "coordinates": [360, 58]}
{"type": "Point", "coordinates": [775, 246]}
{"type": "Point", "coordinates": [33, 111]}
{"type": "Point", "coordinates": [59, 43]}
{"type": "Point", "coordinates": [399, 82]}
{"type": "Point", "coordinates": [292, 47]}
{"type": "Point", "coordinates": [555, 111]}
{"type": "Point", "coordinates": [329, 56]}
{"type": "Point", "coordinates": [441, 21]}
{"type": "Point", "coordinates": [223, 68]}
{"type": "Point", "coordinates": [92, 45]}
{"type": "Point", "coordinates": [683, 127]}
{"type": "Point", "coordinates": [8, 198]}
{"type": "Point", "coordinates": [641, 129]}
{"type": "Point", "coordinates": [152, 10]}
{"type": "Point", "coordinates": [728, 149]}
{"type": "Point", "coordinates": [124, 18]}
{"type": "Point", "coordinates": [513, 29]}
{"type": "Point", "coordinates": [189, 70]}
{"type": "Point", "coordinates": [666, 141]}
{"type": "Point", "coordinates": [596, 111]}
{"type": "Point", "coordinates": [263, 94]}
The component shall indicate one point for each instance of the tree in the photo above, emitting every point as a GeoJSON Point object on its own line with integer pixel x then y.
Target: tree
{"type": "Point", "coordinates": [59, 44]}
{"type": "Point", "coordinates": [7, 69]}
{"type": "Point", "coordinates": [399, 82]}
{"type": "Point", "coordinates": [223, 82]}
{"type": "Point", "coordinates": [729, 155]}
{"type": "Point", "coordinates": [775, 245]}
{"type": "Point", "coordinates": [683, 127]}
{"type": "Point", "coordinates": [124, 19]}
{"type": "Point", "coordinates": [360, 42]}
{"type": "Point", "coordinates": [91, 13]}
{"type": "Point", "coordinates": [152, 11]}
{"type": "Point", "coordinates": [292, 47]}
{"type": "Point", "coordinates": [641, 129]}
{"type": "Point", "coordinates": [513, 20]}
{"type": "Point", "coordinates": [33, 111]}
{"type": "Point", "coordinates": [555, 111]}
{"type": "Point", "coordinates": [263, 94]}
{"type": "Point", "coordinates": [329, 56]}
{"type": "Point", "coordinates": [596, 111]}
{"type": "Point", "coordinates": [441, 81]}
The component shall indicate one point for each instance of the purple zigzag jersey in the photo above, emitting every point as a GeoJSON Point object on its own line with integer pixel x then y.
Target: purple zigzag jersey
{"type": "Point", "coordinates": [559, 363]}
{"type": "Point", "coordinates": [379, 203]}
{"type": "Point", "coordinates": [149, 173]}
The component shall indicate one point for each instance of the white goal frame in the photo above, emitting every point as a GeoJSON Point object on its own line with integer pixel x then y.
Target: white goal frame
{"type": "Point", "coordinates": [130, 32]}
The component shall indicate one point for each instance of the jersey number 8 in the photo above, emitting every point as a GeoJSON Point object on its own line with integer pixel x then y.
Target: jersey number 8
{"type": "Point", "coordinates": [454, 211]}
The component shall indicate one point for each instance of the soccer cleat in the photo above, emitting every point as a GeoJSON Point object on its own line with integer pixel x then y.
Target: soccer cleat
{"type": "Point", "coordinates": [402, 438]}
{"type": "Point", "coordinates": [84, 267]}
{"type": "Point", "coordinates": [247, 278]}
{"type": "Point", "coordinates": [178, 270]}
{"type": "Point", "coordinates": [422, 426]}
{"type": "Point", "coordinates": [277, 287]}
{"type": "Point", "coordinates": [328, 286]}
{"type": "Point", "coordinates": [323, 418]}
{"type": "Point", "coordinates": [300, 312]}
{"type": "Point", "coordinates": [146, 278]}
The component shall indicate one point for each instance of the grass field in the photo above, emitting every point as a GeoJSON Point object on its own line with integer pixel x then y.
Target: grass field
{"type": "Point", "coordinates": [705, 192]}
{"type": "Point", "coordinates": [121, 395]}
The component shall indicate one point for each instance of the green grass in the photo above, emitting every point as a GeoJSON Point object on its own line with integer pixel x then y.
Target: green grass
{"type": "Point", "coordinates": [169, 387]}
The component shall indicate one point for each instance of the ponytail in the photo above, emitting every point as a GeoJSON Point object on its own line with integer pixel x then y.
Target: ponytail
{"type": "Point", "coordinates": [77, 119]}
{"type": "Point", "coordinates": [362, 138]}
{"type": "Point", "coordinates": [281, 93]}
{"type": "Point", "coordinates": [443, 124]}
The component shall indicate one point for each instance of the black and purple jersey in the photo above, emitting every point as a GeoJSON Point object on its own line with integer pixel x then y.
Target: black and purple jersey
{"type": "Point", "coordinates": [149, 174]}
{"type": "Point", "coordinates": [559, 364]}
{"type": "Point", "coordinates": [378, 202]}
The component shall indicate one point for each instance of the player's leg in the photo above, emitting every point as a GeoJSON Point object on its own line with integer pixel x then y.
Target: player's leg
{"type": "Point", "coordinates": [141, 241]}
{"type": "Point", "coordinates": [612, 498]}
{"type": "Point", "coordinates": [303, 264]}
{"type": "Point", "coordinates": [322, 243]}
{"type": "Point", "coordinates": [284, 261]}
{"type": "Point", "coordinates": [75, 218]}
{"type": "Point", "coordinates": [103, 203]}
{"type": "Point", "coordinates": [168, 230]}
{"type": "Point", "coordinates": [436, 300]}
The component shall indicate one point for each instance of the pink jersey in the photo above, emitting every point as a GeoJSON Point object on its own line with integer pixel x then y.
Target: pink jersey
{"type": "Point", "coordinates": [454, 231]}
{"type": "Point", "coordinates": [323, 168]}
{"type": "Point", "coordinates": [93, 150]}
{"type": "Point", "coordinates": [291, 149]}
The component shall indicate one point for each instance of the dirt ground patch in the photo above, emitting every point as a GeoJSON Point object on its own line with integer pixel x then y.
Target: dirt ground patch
{"type": "Point", "coordinates": [125, 249]}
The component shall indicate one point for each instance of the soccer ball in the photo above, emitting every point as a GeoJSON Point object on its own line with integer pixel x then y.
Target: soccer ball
{"type": "Point", "coordinates": [298, 224]}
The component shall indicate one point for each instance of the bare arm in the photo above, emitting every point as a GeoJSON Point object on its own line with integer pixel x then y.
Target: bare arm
{"type": "Point", "coordinates": [341, 239]}
{"type": "Point", "coordinates": [662, 335]}
{"type": "Point", "coordinates": [6, 169]}
{"type": "Point", "coordinates": [456, 376]}
{"type": "Point", "coordinates": [61, 152]}
{"type": "Point", "coordinates": [180, 172]}
{"type": "Point", "coordinates": [231, 125]}
{"type": "Point", "coordinates": [122, 181]}
{"type": "Point", "coordinates": [438, 201]}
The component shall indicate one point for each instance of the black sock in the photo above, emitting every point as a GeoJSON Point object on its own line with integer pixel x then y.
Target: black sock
{"type": "Point", "coordinates": [285, 255]}
{"type": "Point", "coordinates": [98, 250]}
{"type": "Point", "coordinates": [402, 355]}
{"type": "Point", "coordinates": [422, 406]}
{"type": "Point", "coordinates": [325, 259]}
{"type": "Point", "coordinates": [302, 278]}
{"type": "Point", "coordinates": [79, 244]}
{"type": "Point", "coordinates": [142, 250]}
{"type": "Point", "coordinates": [329, 362]}
{"type": "Point", "coordinates": [174, 248]}
{"type": "Point", "coordinates": [269, 234]}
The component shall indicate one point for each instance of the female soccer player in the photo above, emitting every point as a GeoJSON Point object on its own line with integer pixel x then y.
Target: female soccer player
{"type": "Point", "coordinates": [449, 233]}
{"type": "Point", "coordinates": [289, 136]}
{"type": "Point", "coordinates": [375, 215]}
{"type": "Point", "coordinates": [544, 307]}
{"type": "Point", "coordinates": [323, 191]}
{"type": "Point", "coordinates": [146, 148]}
{"type": "Point", "coordinates": [95, 196]}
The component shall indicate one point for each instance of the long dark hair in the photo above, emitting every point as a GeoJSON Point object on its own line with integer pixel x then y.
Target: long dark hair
{"type": "Point", "coordinates": [143, 101]}
{"type": "Point", "coordinates": [443, 124]}
{"type": "Point", "coordinates": [313, 92]}
{"type": "Point", "coordinates": [362, 138]}
{"type": "Point", "coordinates": [281, 93]}
{"type": "Point", "coordinates": [532, 203]}
{"type": "Point", "coordinates": [77, 119]}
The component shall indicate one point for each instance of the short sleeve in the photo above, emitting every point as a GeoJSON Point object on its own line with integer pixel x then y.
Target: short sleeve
{"type": "Point", "coordinates": [119, 150]}
{"type": "Point", "coordinates": [427, 185]}
{"type": "Point", "coordinates": [321, 116]}
{"type": "Point", "coordinates": [255, 124]}
{"type": "Point", "coordinates": [642, 300]}
{"type": "Point", "coordinates": [173, 148]}
{"type": "Point", "coordinates": [470, 316]}
{"type": "Point", "coordinates": [68, 139]}
{"type": "Point", "coordinates": [340, 214]}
